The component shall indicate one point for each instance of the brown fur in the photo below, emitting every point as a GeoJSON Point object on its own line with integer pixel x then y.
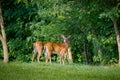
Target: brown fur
{"type": "Point", "coordinates": [50, 47]}
{"type": "Point", "coordinates": [38, 47]}
{"type": "Point", "coordinates": [60, 48]}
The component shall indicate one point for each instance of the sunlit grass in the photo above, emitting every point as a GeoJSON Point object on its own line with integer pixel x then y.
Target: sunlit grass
{"type": "Point", "coordinates": [43, 71]}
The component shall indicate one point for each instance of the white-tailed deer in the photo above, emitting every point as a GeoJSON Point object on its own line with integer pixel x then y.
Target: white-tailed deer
{"type": "Point", "coordinates": [38, 47]}
{"type": "Point", "coordinates": [60, 48]}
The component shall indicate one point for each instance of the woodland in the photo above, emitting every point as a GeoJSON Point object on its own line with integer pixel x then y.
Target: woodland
{"type": "Point", "coordinates": [93, 25]}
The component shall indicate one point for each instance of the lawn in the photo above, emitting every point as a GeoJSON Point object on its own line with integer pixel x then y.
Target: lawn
{"type": "Point", "coordinates": [55, 71]}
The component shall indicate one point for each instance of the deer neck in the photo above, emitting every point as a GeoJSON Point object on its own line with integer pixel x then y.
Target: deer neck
{"type": "Point", "coordinates": [67, 45]}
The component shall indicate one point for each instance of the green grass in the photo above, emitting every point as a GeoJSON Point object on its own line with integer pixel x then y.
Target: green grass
{"type": "Point", "coordinates": [47, 71]}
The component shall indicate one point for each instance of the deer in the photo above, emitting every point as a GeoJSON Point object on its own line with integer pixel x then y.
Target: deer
{"type": "Point", "coordinates": [38, 47]}
{"type": "Point", "coordinates": [59, 48]}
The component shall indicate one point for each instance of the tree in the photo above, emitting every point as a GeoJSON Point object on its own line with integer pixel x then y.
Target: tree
{"type": "Point", "coordinates": [117, 36]}
{"type": "Point", "coordinates": [3, 37]}
{"type": "Point", "coordinates": [113, 14]}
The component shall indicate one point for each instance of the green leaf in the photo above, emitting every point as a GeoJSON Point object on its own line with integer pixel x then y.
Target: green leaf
{"type": "Point", "coordinates": [19, 1]}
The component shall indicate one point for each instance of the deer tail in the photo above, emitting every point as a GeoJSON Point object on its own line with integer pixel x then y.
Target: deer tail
{"type": "Point", "coordinates": [35, 49]}
{"type": "Point", "coordinates": [45, 50]}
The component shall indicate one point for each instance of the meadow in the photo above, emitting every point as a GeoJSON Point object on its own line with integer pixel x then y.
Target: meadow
{"type": "Point", "coordinates": [55, 71]}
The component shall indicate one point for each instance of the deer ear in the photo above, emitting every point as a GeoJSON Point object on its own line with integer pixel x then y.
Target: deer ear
{"type": "Point", "coordinates": [69, 36]}
{"type": "Point", "coordinates": [63, 36]}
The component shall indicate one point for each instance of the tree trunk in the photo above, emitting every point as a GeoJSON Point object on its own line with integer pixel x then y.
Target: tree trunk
{"type": "Point", "coordinates": [3, 38]}
{"type": "Point", "coordinates": [86, 53]}
{"type": "Point", "coordinates": [70, 55]}
{"type": "Point", "coordinates": [117, 37]}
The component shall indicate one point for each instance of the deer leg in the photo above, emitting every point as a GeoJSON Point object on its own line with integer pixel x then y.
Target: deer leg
{"type": "Point", "coordinates": [46, 54]}
{"type": "Point", "coordinates": [39, 54]}
{"type": "Point", "coordinates": [62, 56]}
{"type": "Point", "coordinates": [34, 54]}
{"type": "Point", "coordinates": [62, 59]}
{"type": "Point", "coordinates": [48, 57]}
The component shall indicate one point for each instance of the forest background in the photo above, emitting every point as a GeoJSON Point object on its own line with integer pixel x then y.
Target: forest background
{"type": "Point", "coordinates": [92, 24]}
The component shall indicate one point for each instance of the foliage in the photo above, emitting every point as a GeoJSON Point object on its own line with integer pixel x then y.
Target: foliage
{"type": "Point", "coordinates": [113, 61]}
{"type": "Point", "coordinates": [27, 21]}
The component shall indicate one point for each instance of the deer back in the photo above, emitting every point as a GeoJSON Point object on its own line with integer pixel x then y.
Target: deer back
{"type": "Point", "coordinates": [59, 46]}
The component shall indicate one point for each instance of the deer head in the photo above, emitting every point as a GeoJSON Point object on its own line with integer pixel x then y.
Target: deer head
{"type": "Point", "coordinates": [65, 39]}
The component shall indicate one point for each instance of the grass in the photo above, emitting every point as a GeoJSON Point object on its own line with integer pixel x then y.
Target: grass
{"type": "Point", "coordinates": [47, 71]}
